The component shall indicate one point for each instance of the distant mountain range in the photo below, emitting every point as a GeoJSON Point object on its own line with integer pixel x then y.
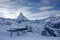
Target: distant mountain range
{"type": "Point", "coordinates": [21, 17]}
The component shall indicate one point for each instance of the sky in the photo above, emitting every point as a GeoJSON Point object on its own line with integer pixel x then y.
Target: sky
{"type": "Point", "coordinates": [32, 9]}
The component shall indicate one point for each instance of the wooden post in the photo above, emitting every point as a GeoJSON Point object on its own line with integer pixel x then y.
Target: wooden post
{"type": "Point", "coordinates": [18, 33]}
{"type": "Point", "coordinates": [11, 34]}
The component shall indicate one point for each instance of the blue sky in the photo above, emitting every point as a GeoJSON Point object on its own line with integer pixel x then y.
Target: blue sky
{"type": "Point", "coordinates": [32, 9]}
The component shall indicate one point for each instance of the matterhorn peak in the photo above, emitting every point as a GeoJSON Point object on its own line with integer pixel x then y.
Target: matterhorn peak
{"type": "Point", "coordinates": [22, 17]}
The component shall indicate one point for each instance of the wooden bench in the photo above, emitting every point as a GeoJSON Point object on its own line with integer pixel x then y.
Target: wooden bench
{"type": "Point", "coordinates": [17, 30]}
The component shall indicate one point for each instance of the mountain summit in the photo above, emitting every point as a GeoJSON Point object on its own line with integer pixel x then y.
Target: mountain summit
{"type": "Point", "coordinates": [22, 17]}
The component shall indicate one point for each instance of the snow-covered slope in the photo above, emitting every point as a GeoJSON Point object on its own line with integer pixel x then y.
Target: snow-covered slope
{"type": "Point", "coordinates": [21, 22]}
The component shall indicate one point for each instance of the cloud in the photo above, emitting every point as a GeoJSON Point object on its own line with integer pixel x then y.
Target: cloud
{"type": "Point", "coordinates": [14, 13]}
{"type": "Point", "coordinates": [45, 14]}
{"type": "Point", "coordinates": [9, 4]}
{"type": "Point", "coordinates": [32, 9]}
{"type": "Point", "coordinates": [6, 13]}
{"type": "Point", "coordinates": [50, 2]}
{"type": "Point", "coordinates": [46, 7]}
{"type": "Point", "coordinates": [1, 14]}
{"type": "Point", "coordinates": [45, 2]}
{"type": "Point", "coordinates": [18, 3]}
{"type": "Point", "coordinates": [1, 1]}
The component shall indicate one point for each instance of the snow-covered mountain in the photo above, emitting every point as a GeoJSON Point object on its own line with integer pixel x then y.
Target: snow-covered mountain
{"type": "Point", "coordinates": [38, 26]}
{"type": "Point", "coordinates": [21, 17]}
{"type": "Point", "coordinates": [52, 25]}
{"type": "Point", "coordinates": [53, 18]}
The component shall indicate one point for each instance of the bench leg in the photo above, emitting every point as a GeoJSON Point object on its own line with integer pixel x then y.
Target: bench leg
{"type": "Point", "coordinates": [11, 34]}
{"type": "Point", "coordinates": [17, 33]}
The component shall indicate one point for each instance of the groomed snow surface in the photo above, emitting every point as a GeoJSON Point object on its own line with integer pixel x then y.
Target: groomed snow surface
{"type": "Point", "coordinates": [4, 35]}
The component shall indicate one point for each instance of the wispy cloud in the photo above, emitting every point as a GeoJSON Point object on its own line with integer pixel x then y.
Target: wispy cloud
{"type": "Point", "coordinates": [32, 9]}
{"type": "Point", "coordinates": [45, 14]}
{"type": "Point", "coordinates": [46, 7]}
{"type": "Point", "coordinates": [50, 2]}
